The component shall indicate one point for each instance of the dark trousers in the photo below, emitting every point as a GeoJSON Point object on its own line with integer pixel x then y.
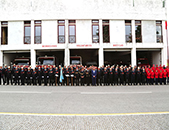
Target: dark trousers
{"type": "Point", "coordinates": [94, 81]}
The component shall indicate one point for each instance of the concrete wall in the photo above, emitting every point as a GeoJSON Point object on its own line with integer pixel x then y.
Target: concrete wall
{"type": "Point", "coordinates": [49, 32]}
{"type": "Point", "coordinates": [81, 9]}
{"type": "Point", "coordinates": [83, 31]}
{"type": "Point", "coordinates": [117, 31]}
{"type": "Point", "coordinates": [148, 31]}
{"type": "Point", "coordinates": [15, 33]}
{"type": "Point", "coordinates": [156, 58]}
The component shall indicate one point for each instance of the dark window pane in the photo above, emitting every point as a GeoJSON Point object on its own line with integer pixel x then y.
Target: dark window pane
{"type": "Point", "coordinates": [4, 40]}
{"type": "Point", "coordinates": [4, 23]}
{"type": "Point", "coordinates": [72, 21]}
{"type": "Point", "coordinates": [105, 21]}
{"type": "Point", "coordinates": [138, 33]}
{"type": "Point", "coordinates": [127, 21]}
{"type": "Point", "coordinates": [27, 22]}
{"type": "Point", "coordinates": [106, 33]}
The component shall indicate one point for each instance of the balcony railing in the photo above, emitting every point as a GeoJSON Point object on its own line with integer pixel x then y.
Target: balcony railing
{"type": "Point", "coordinates": [159, 38]}
{"type": "Point", "coordinates": [138, 39]}
{"type": "Point", "coordinates": [4, 40]}
{"type": "Point", "coordinates": [106, 38]}
{"type": "Point", "coordinates": [27, 39]}
{"type": "Point", "coordinates": [72, 39]}
{"type": "Point", "coordinates": [95, 39]}
{"type": "Point", "coordinates": [61, 39]}
{"type": "Point", "coordinates": [129, 38]}
{"type": "Point", "coordinates": [37, 40]}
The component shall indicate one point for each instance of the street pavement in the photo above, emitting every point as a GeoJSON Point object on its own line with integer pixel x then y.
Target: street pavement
{"type": "Point", "coordinates": [87, 107]}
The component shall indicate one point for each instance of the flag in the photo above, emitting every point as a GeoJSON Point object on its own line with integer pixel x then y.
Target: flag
{"type": "Point", "coordinates": [61, 75]}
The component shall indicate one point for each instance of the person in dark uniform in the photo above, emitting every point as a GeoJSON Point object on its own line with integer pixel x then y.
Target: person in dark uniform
{"type": "Point", "coordinates": [82, 76]}
{"type": "Point", "coordinates": [34, 75]}
{"type": "Point", "coordinates": [138, 73]}
{"type": "Point", "coordinates": [0, 74]}
{"type": "Point", "coordinates": [51, 76]}
{"type": "Point", "coordinates": [16, 75]}
{"type": "Point", "coordinates": [87, 77]}
{"type": "Point", "coordinates": [105, 76]}
{"type": "Point", "coordinates": [56, 76]}
{"type": "Point", "coordinates": [116, 74]}
{"type": "Point", "coordinates": [111, 76]}
{"type": "Point", "coordinates": [28, 76]}
{"type": "Point", "coordinates": [108, 75]}
{"type": "Point", "coordinates": [94, 76]}
{"type": "Point", "coordinates": [4, 71]}
{"type": "Point", "coordinates": [45, 72]}
{"type": "Point", "coordinates": [121, 76]}
{"type": "Point", "coordinates": [19, 74]}
{"type": "Point", "coordinates": [22, 76]}
{"type": "Point", "coordinates": [76, 77]}
{"type": "Point", "coordinates": [39, 75]}
{"type": "Point", "coordinates": [127, 75]}
{"type": "Point", "coordinates": [133, 75]}
{"type": "Point", "coordinates": [98, 77]}
{"type": "Point", "coordinates": [143, 77]}
{"type": "Point", "coordinates": [9, 75]}
{"type": "Point", "coordinates": [72, 74]}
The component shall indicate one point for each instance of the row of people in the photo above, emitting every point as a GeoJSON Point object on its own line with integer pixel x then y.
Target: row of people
{"type": "Point", "coordinates": [81, 75]}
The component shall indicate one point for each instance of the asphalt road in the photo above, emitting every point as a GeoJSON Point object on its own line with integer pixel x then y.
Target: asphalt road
{"type": "Point", "coordinates": [111, 107]}
{"type": "Point", "coordinates": [84, 100]}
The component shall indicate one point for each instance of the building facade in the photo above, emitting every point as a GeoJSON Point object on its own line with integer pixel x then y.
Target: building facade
{"type": "Point", "coordinates": [99, 31]}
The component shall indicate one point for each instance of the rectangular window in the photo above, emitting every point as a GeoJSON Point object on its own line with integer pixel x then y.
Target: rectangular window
{"type": "Point", "coordinates": [4, 33]}
{"type": "Point", "coordinates": [27, 32]}
{"type": "Point", "coordinates": [128, 30]}
{"type": "Point", "coordinates": [38, 31]}
{"type": "Point", "coordinates": [106, 36]}
{"type": "Point", "coordinates": [159, 35]}
{"type": "Point", "coordinates": [61, 31]}
{"type": "Point", "coordinates": [138, 31]}
{"type": "Point", "coordinates": [72, 31]}
{"type": "Point", "coordinates": [95, 31]}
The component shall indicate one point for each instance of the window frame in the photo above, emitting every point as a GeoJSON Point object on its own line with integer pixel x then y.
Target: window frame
{"type": "Point", "coordinates": [27, 25]}
{"type": "Point", "coordinates": [71, 23]}
{"type": "Point", "coordinates": [61, 24]}
{"type": "Point", "coordinates": [95, 23]}
{"type": "Point", "coordinates": [37, 23]}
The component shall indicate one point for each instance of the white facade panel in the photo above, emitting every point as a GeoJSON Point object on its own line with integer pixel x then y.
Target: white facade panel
{"type": "Point", "coordinates": [81, 9]}
{"type": "Point", "coordinates": [83, 31]}
{"type": "Point", "coordinates": [117, 31]}
{"type": "Point", "coordinates": [15, 33]}
{"type": "Point", "coordinates": [49, 32]}
{"type": "Point", "coordinates": [148, 31]}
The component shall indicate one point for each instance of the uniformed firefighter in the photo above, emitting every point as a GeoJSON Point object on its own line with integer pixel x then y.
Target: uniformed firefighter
{"type": "Point", "coordinates": [76, 77]}
{"type": "Point", "coordinates": [82, 76]}
{"type": "Point", "coordinates": [9, 75]}
{"type": "Point", "coordinates": [22, 76]}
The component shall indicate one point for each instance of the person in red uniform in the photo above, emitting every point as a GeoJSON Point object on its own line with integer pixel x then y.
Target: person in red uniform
{"type": "Point", "coordinates": [156, 74]}
{"type": "Point", "coordinates": [167, 69]}
{"type": "Point", "coordinates": [148, 77]}
{"type": "Point", "coordinates": [161, 77]}
{"type": "Point", "coordinates": [164, 76]}
{"type": "Point", "coordinates": [152, 77]}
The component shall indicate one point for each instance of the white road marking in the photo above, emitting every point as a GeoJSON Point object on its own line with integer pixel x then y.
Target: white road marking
{"type": "Point", "coordinates": [148, 92]}
{"type": "Point", "coordinates": [25, 92]}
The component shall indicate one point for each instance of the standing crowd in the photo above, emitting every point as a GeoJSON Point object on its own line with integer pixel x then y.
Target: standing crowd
{"type": "Point", "coordinates": [83, 75]}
